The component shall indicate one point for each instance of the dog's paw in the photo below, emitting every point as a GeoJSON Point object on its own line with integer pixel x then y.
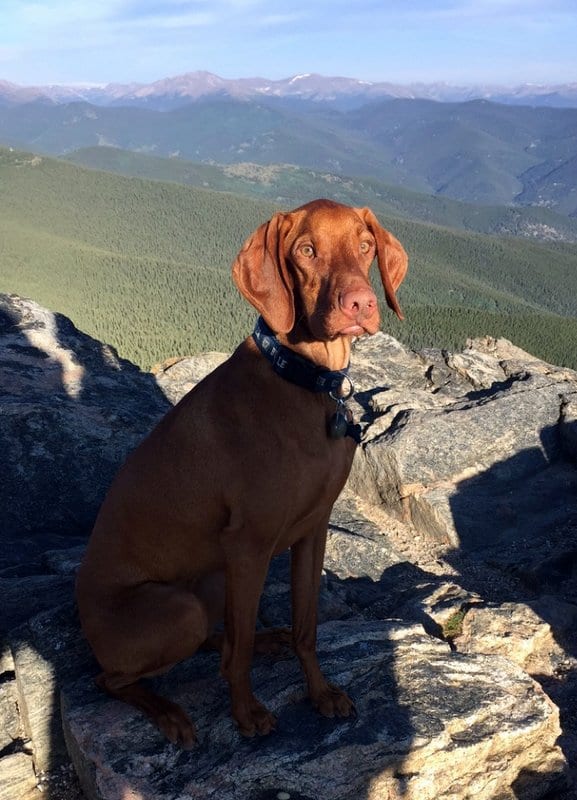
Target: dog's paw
{"type": "Point", "coordinates": [256, 719]}
{"type": "Point", "coordinates": [333, 702]}
{"type": "Point", "coordinates": [176, 725]}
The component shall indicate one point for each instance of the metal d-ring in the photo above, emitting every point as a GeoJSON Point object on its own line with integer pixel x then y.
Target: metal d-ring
{"type": "Point", "coordinates": [342, 398]}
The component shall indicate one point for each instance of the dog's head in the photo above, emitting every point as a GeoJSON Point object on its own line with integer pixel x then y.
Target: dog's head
{"type": "Point", "coordinates": [309, 267]}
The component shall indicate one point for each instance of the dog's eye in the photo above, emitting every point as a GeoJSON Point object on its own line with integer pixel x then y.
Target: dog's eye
{"type": "Point", "coordinates": [365, 246]}
{"type": "Point", "coordinates": [307, 250]}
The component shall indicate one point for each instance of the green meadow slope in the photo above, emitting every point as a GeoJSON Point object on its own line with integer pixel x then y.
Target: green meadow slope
{"type": "Point", "coordinates": [145, 266]}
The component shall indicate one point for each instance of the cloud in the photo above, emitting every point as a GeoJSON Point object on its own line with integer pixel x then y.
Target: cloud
{"type": "Point", "coordinates": [192, 19]}
{"type": "Point", "coordinates": [488, 10]}
{"type": "Point", "coordinates": [58, 13]}
{"type": "Point", "coordinates": [281, 19]}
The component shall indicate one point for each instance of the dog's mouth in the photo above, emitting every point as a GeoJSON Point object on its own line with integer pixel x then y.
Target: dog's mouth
{"type": "Point", "coordinates": [360, 327]}
{"type": "Point", "coordinates": [324, 326]}
{"type": "Point", "coordinates": [352, 330]}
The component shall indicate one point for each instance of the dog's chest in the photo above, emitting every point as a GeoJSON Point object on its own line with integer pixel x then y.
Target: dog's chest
{"type": "Point", "coordinates": [317, 476]}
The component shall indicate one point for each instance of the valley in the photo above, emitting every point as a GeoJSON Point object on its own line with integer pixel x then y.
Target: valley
{"type": "Point", "coordinates": [145, 264]}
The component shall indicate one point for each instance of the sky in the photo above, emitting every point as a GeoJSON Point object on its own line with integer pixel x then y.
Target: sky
{"type": "Point", "coordinates": [462, 42]}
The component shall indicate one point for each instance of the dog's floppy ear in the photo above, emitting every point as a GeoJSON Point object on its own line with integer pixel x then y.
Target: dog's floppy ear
{"type": "Point", "coordinates": [391, 257]}
{"type": "Point", "coordinates": [261, 275]}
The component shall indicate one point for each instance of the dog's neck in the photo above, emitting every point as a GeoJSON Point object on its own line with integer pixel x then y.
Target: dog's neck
{"type": "Point", "coordinates": [332, 355]}
{"type": "Point", "coordinates": [317, 369]}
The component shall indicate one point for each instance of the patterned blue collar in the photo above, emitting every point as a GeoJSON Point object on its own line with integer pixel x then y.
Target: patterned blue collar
{"type": "Point", "coordinates": [293, 367]}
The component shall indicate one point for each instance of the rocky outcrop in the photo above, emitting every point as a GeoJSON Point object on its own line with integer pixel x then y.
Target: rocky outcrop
{"type": "Point", "coordinates": [429, 724]}
{"type": "Point", "coordinates": [467, 436]}
{"type": "Point", "coordinates": [447, 608]}
{"type": "Point", "coordinates": [177, 376]}
{"type": "Point", "coordinates": [70, 411]}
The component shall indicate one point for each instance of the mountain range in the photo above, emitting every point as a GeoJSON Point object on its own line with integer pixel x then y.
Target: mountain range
{"type": "Point", "coordinates": [340, 92]}
{"type": "Point", "coordinates": [477, 151]}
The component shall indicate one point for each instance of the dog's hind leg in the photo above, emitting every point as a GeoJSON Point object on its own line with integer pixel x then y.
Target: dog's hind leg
{"type": "Point", "coordinates": [146, 631]}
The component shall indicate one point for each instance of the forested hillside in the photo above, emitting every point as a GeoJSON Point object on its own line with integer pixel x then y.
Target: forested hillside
{"type": "Point", "coordinates": [145, 266]}
{"type": "Point", "coordinates": [289, 185]}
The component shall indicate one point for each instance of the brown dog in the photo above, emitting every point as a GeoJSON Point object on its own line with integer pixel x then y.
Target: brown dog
{"type": "Point", "coordinates": [248, 464]}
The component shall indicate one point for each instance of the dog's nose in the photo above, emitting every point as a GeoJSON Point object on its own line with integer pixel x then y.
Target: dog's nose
{"type": "Point", "coordinates": [358, 304]}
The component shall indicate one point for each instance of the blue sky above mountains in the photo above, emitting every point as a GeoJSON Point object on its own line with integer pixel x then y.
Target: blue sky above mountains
{"type": "Point", "coordinates": [504, 42]}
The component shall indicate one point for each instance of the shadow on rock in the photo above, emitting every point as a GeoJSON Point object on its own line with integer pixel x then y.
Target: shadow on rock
{"type": "Point", "coordinates": [517, 528]}
{"type": "Point", "coordinates": [70, 411]}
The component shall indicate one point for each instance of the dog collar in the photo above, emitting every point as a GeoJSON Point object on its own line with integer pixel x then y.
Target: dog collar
{"type": "Point", "coordinates": [293, 367]}
{"type": "Point", "coordinates": [305, 373]}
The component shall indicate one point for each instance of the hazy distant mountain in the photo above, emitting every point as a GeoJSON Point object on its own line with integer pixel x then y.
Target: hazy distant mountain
{"type": "Point", "coordinates": [342, 93]}
{"type": "Point", "coordinates": [477, 151]}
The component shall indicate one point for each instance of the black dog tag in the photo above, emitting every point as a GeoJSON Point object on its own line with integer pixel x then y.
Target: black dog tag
{"type": "Point", "coordinates": [340, 421]}
{"type": "Point", "coordinates": [338, 425]}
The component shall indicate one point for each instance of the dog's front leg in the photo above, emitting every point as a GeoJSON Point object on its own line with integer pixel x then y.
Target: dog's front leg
{"type": "Point", "coordinates": [246, 569]}
{"type": "Point", "coordinates": [306, 568]}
